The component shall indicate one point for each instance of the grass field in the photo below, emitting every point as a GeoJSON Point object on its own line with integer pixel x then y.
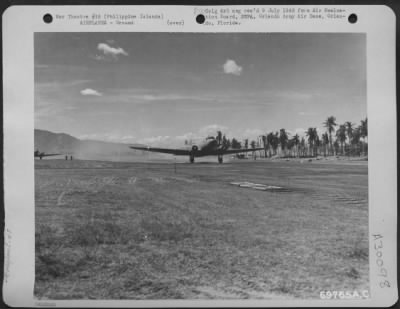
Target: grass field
{"type": "Point", "coordinates": [109, 230]}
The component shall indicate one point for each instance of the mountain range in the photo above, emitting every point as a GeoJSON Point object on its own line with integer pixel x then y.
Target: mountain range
{"type": "Point", "coordinates": [50, 142]}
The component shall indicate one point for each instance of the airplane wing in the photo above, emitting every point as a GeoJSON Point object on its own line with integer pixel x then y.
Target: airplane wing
{"type": "Point", "coordinates": [177, 152]}
{"type": "Point", "coordinates": [231, 151]}
{"type": "Point", "coordinates": [50, 154]}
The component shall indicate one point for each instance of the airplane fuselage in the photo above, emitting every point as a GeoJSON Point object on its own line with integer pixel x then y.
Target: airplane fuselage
{"type": "Point", "coordinates": [205, 148]}
{"type": "Point", "coordinates": [40, 155]}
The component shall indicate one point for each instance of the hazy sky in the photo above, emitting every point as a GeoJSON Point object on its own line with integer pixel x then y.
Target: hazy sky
{"type": "Point", "coordinates": [163, 88]}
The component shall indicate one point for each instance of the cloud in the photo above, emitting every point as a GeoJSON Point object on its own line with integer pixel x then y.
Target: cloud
{"type": "Point", "coordinates": [141, 96]}
{"type": "Point", "coordinates": [156, 140]}
{"type": "Point", "coordinates": [301, 132]}
{"type": "Point", "coordinates": [108, 137]}
{"type": "Point", "coordinates": [252, 133]}
{"type": "Point", "coordinates": [230, 67]}
{"type": "Point", "coordinates": [212, 130]}
{"type": "Point", "coordinates": [89, 91]}
{"type": "Point", "coordinates": [320, 131]}
{"type": "Point", "coordinates": [168, 97]}
{"type": "Point", "coordinates": [110, 51]}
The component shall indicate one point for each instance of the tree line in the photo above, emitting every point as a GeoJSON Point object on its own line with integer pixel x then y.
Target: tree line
{"type": "Point", "coordinates": [347, 139]}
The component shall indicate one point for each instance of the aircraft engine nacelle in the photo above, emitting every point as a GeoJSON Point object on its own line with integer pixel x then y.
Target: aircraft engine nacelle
{"type": "Point", "coordinates": [195, 148]}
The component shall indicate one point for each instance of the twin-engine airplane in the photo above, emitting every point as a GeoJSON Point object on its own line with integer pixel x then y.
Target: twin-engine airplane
{"type": "Point", "coordinates": [40, 155]}
{"type": "Point", "coordinates": [209, 147]}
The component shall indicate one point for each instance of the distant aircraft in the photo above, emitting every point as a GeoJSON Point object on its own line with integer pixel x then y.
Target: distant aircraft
{"type": "Point", "coordinates": [209, 147]}
{"type": "Point", "coordinates": [40, 155]}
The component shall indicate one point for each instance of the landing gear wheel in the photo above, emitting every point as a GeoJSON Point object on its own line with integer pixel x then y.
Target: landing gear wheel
{"type": "Point", "coordinates": [220, 159]}
{"type": "Point", "coordinates": [191, 159]}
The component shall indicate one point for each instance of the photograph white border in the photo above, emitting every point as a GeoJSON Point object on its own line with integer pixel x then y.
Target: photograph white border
{"type": "Point", "coordinates": [19, 25]}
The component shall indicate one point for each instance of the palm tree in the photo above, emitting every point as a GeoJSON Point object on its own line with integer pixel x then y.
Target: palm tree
{"type": "Point", "coordinates": [270, 141]}
{"type": "Point", "coordinates": [253, 146]}
{"type": "Point", "coordinates": [349, 130]}
{"type": "Point", "coordinates": [228, 143]}
{"type": "Point", "coordinates": [317, 142]}
{"type": "Point", "coordinates": [224, 142]}
{"type": "Point", "coordinates": [336, 146]}
{"type": "Point", "coordinates": [325, 142]}
{"type": "Point", "coordinates": [265, 144]}
{"type": "Point", "coordinates": [356, 141]}
{"type": "Point", "coordinates": [364, 128]}
{"type": "Point", "coordinates": [302, 146]}
{"type": "Point", "coordinates": [296, 141]}
{"type": "Point", "coordinates": [364, 132]}
{"type": "Point", "coordinates": [283, 140]}
{"type": "Point", "coordinates": [275, 142]}
{"type": "Point", "coordinates": [290, 146]}
{"type": "Point", "coordinates": [341, 136]}
{"type": "Point", "coordinates": [235, 144]}
{"type": "Point", "coordinates": [258, 145]}
{"type": "Point", "coordinates": [330, 124]}
{"type": "Point", "coordinates": [311, 133]}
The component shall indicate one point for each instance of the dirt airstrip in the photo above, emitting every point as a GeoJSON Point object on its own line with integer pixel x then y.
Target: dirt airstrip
{"type": "Point", "coordinates": [114, 230]}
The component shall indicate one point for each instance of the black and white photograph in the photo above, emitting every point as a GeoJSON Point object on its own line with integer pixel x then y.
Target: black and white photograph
{"type": "Point", "coordinates": [197, 156]}
{"type": "Point", "coordinates": [200, 166]}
